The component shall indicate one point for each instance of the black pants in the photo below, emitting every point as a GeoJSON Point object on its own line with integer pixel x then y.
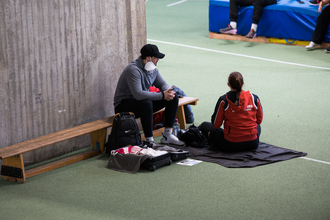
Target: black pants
{"type": "Point", "coordinates": [257, 9]}
{"type": "Point", "coordinates": [216, 139]}
{"type": "Point", "coordinates": [321, 27]}
{"type": "Point", "coordinates": [144, 109]}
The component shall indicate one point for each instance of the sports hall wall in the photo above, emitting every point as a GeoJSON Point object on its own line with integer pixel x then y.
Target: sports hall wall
{"type": "Point", "coordinates": [59, 64]}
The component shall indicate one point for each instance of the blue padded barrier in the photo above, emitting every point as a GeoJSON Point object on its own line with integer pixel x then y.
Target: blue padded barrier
{"type": "Point", "coordinates": [288, 19]}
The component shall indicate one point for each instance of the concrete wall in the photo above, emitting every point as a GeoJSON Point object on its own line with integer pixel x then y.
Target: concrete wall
{"type": "Point", "coordinates": [59, 64]}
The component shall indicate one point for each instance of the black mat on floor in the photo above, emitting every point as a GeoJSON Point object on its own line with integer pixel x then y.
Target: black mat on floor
{"type": "Point", "coordinates": [265, 154]}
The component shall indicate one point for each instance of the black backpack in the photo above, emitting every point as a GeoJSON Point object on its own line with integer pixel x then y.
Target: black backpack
{"type": "Point", "coordinates": [124, 132]}
{"type": "Point", "coordinates": [193, 137]}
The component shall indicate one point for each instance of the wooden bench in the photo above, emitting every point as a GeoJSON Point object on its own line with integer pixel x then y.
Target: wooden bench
{"type": "Point", "coordinates": [13, 164]}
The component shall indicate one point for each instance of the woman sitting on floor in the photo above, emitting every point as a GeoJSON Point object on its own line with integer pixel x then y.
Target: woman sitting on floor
{"type": "Point", "coordinates": [241, 113]}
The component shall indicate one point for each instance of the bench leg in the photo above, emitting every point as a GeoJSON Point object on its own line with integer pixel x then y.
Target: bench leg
{"type": "Point", "coordinates": [98, 139]}
{"type": "Point", "coordinates": [13, 169]}
{"type": "Point", "coordinates": [61, 163]}
{"type": "Point", "coordinates": [181, 117]}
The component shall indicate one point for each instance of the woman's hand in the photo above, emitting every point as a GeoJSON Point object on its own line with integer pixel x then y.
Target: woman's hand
{"type": "Point", "coordinates": [320, 6]}
{"type": "Point", "coordinates": [169, 94]}
{"type": "Point", "coordinates": [322, 3]}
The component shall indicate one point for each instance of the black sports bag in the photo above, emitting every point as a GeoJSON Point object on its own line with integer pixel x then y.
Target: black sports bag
{"type": "Point", "coordinates": [124, 132]}
{"type": "Point", "coordinates": [193, 137]}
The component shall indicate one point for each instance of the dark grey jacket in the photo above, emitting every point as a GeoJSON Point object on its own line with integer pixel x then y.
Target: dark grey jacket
{"type": "Point", "coordinates": [135, 82]}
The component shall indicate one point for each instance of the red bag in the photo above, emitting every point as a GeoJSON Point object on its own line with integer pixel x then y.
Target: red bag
{"type": "Point", "coordinates": [157, 118]}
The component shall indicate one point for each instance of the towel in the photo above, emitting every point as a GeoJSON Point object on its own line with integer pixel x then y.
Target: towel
{"type": "Point", "coordinates": [264, 154]}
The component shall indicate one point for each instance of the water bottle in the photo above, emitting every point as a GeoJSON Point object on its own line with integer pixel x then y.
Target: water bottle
{"type": "Point", "coordinates": [176, 128]}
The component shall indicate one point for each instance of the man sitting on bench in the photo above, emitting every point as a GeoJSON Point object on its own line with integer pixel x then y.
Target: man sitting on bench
{"type": "Point", "coordinates": [132, 94]}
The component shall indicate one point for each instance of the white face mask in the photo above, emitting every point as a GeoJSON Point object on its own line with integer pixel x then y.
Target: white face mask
{"type": "Point", "coordinates": [150, 66]}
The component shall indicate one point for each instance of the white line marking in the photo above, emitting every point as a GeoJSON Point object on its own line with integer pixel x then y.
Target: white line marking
{"type": "Point", "coordinates": [240, 55]}
{"type": "Point", "coordinates": [235, 54]}
{"type": "Point", "coordinates": [176, 3]}
{"type": "Point", "coordinates": [319, 161]}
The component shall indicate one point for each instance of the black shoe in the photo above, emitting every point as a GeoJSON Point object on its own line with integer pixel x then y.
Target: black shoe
{"type": "Point", "coordinates": [228, 30]}
{"type": "Point", "coordinates": [252, 34]}
{"type": "Point", "coordinates": [327, 50]}
{"type": "Point", "coordinates": [314, 2]}
{"type": "Point", "coordinates": [148, 144]}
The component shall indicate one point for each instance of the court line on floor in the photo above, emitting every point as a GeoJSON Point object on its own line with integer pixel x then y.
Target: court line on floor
{"type": "Point", "coordinates": [319, 161]}
{"type": "Point", "coordinates": [240, 55]}
{"type": "Point", "coordinates": [259, 58]}
{"type": "Point", "coordinates": [176, 3]}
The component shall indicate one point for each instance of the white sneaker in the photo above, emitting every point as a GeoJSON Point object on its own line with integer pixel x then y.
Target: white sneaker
{"type": "Point", "coordinates": [171, 140]}
{"type": "Point", "coordinates": [311, 45]}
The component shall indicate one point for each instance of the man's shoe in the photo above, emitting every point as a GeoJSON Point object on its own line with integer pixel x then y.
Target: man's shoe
{"type": "Point", "coordinates": [311, 45]}
{"type": "Point", "coordinates": [314, 2]}
{"type": "Point", "coordinates": [148, 144]}
{"type": "Point", "coordinates": [171, 139]}
{"type": "Point", "coordinates": [327, 50]}
{"type": "Point", "coordinates": [228, 30]}
{"type": "Point", "coordinates": [252, 34]}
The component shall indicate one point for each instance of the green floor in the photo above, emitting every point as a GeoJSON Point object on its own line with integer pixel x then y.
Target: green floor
{"type": "Point", "coordinates": [293, 86]}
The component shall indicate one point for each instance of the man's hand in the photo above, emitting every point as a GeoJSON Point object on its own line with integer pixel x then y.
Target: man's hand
{"type": "Point", "coordinates": [169, 94]}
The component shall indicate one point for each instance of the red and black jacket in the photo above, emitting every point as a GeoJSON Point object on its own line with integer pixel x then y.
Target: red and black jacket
{"type": "Point", "coordinates": [240, 121]}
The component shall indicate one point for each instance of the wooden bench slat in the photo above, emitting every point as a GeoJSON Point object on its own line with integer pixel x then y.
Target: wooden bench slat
{"type": "Point", "coordinates": [54, 138]}
{"type": "Point", "coordinates": [183, 101]}
{"type": "Point", "coordinates": [188, 101]}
